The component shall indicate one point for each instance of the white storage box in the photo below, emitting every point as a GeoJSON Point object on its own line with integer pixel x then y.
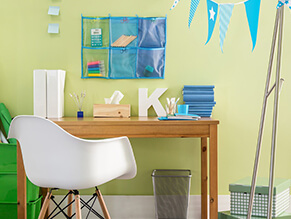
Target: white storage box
{"type": "Point", "coordinates": [48, 93]}
{"type": "Point", "coordinates": [240, 194]}
{"type": "Point", "coordinates": [39, 92]}
{"type": "Point", "coordinates": [55, 93]}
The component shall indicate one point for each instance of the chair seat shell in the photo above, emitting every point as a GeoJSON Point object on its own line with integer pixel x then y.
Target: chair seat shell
{"type": "Point", "coordinates": [53, 158]}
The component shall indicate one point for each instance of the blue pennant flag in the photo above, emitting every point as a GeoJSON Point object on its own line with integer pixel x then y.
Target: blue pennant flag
{"type": "Point", "coordinates": [282, 2]}
{"type": "Point", "coordinates": [225, 13]}
{"type": "Point", "coordinates": [253, 11]}
{"type": "Point", "coordinates": [193, 7]}
{"type": "Point", "coordinates": [212, 9]}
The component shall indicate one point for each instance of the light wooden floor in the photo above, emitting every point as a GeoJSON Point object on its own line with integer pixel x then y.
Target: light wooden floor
{"type": "Point", "coordinates": [120, 207]}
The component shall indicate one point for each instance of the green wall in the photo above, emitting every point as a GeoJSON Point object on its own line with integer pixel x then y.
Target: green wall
{"type": "Point", "coordinates": [238, 75]}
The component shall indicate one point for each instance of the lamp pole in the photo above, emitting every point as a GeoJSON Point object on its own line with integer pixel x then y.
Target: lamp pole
{"type": "Point", "coordinates": [278, 85]}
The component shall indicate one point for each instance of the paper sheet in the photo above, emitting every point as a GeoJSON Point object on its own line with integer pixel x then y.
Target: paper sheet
{"type": "Point", "coordinates": [53, 28]}
{"type": "Point", "coordinates": [54, 10]}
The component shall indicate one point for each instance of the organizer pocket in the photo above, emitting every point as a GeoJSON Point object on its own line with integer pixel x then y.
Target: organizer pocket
{"type": "Point", "coordinates": [151, 63]}
{"type": "Point", "coordinates": [127, 26]}
{"type": "Point", "coordinates": [123, 63]}
{"type": "Point", "coordinates": [95, 32]}
{"type": "Point", "coordinates": [95, 63]}
{"type": "Point", "coordinates": [152, 32]}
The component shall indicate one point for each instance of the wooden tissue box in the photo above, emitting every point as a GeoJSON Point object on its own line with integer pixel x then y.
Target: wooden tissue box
{"type": "Point", "coordinates": [111, 110]}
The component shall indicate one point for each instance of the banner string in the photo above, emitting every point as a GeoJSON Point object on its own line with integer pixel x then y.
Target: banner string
{"type": "Point", "coordinates": [238, 3]}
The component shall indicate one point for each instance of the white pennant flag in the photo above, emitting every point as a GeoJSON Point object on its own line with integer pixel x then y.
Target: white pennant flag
{"type": "Point", "coordinates": [174, 4]}
{"type": "Point", "coordinates": [225, 13]}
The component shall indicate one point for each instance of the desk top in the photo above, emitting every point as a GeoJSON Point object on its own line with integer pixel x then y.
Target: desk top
{"type": "Point", "coordinates": [140, 120]}
{"type": "Point", "coordinates": [135, 127]}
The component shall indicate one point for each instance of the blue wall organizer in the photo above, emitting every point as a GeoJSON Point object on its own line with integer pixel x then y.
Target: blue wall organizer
{"type": "Point", "coordinates": [143, 58]}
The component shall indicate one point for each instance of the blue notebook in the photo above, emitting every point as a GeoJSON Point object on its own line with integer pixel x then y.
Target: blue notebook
{"type": "Point", "coordinates": [198, 87]}
{"type": "Point", "coordinates": [181, 116]}
{"type": "Point", "coordinates": [198, 98]}
{"type": "Point", "coordinates": [200, 103]}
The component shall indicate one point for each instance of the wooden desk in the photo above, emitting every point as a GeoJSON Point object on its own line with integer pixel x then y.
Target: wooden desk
{"type": "Point", "coordinates": [143, 127]}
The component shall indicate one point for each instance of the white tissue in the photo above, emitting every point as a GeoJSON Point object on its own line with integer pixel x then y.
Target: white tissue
{"type": "Point", "coordinates": [115, 98]}
{"type": "Point", "coordinates": [107, 100]}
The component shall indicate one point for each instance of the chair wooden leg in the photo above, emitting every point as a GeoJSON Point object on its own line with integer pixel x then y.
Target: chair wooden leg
{"type": "Point", "coordinates": [44, 192]}
{"type": "Point", "coordinates": [102, 204]}
{"type": "Point", "coordinates": [45, 205]}
{"type": "Point", "coordinates": [78, 207]}
{"type": "Point", "coordinates": [70, 199]}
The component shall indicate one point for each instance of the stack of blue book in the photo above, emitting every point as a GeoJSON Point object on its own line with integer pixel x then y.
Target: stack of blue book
{"type": "Point", "coordinates": [200, 99]}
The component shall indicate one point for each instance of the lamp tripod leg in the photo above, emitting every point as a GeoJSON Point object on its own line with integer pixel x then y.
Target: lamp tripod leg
{"type": "Point", "coordinates": [263, 115]}
{"type": "Point", "coordinates": [275, 116]}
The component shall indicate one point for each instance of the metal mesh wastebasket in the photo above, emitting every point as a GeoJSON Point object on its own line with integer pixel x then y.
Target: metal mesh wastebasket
{"type": "Point", "coordinates": [172, 192]}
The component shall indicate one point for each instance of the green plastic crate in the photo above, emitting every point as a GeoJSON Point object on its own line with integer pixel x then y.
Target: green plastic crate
{"type": "Point", "coordinates": [9, 209]}
{"type": "Point", "coordinates": [8, 188]}
{"type": "Point", "coordinates": [5, 117]}
{"type": "Point", "coordinates": [240, 195]}
{"type": "Point", "coordinates": [8, 165]}
{"type": "Point", "coordinates": [8, 160]}
{"type": "Point", "coordinates": [7, 151]}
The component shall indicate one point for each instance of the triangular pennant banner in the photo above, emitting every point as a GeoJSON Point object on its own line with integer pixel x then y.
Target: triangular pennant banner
{"type": "Point", "coordinates": [253, 11]}
{"type": "Point", "coordinates": [225, 13]}
{"type": "Point", "coordinates": [174, 4]}
{"type": "Point", "coordinates": [193, 7]}
{"type": "Point", "coordinates": [280, 3]}
{"type": "Point", "coordinates": [288, 3]}
{"type": "Point", "coordinates": [212, 9]}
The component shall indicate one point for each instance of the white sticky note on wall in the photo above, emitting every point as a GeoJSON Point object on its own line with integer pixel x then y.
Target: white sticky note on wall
{"type": "Point", "coordinates": [55, 93]}
{"type": "Point", "coordinates": [53, 28]}
{"type": "Point", "coordinates": [39, 92]}
{"type": "Point", "coordinates": [54, 10]}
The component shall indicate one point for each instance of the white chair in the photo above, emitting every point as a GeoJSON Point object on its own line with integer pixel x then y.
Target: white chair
{"type": "Point", "coordinates": [53, 158]}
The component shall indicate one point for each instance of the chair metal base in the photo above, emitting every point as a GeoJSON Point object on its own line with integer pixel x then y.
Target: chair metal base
{"type": "Point", "coordinates": [79, 202]}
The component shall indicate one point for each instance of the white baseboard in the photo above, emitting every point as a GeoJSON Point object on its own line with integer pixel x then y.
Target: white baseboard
{"type": "Point", "coordinates": [143, 207]}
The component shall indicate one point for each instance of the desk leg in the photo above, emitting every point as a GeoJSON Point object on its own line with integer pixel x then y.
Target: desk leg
{"type": "Point", "coordinates": [21, 185]}
{"type": "Point", "coordinates": [213, 183]}
{"type": "Point", "coordinates": [204, 179]}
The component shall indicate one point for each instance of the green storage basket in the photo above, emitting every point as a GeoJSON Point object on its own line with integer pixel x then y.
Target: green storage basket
{"type": "Point", "coordinates": [8, 165]}
{"type": "Point", "coordinates": [9, 209]}
{"type": "Point", "coordinates": [8, 188]}
{"type": "Point", "coordinates": [8, 160]}
{"type": "Point", "coordinates": [5, 117]}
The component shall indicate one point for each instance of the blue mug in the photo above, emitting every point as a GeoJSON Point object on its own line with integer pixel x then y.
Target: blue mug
{"type": "Point", "coordinates": [183, 109]}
